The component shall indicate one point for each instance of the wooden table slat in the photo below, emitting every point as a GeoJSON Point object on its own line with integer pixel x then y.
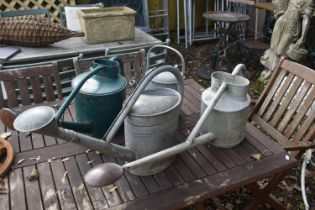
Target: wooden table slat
{"type": "Point", "coordinates": [77, 184]}
{"type": "Point", "coordinates": [4, 197]}
{"type": "Point", "coordinates": [47, 186]}
{"type": "Point", "coordinates": [17, 190]}
{"type": "Point", "coordinates": [96, 195]}
{"type": "Point", "coordinates": [32, 190]}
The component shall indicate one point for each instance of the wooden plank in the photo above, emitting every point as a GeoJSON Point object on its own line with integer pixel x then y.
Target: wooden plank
{"type": "Point", "coordinates": [192, 165]}
{"type": "Point", "coordinates": [37, 140]}
{"type": "Point", "coordinates": [25, 141]}
{"type": "Point", "coordinates": [113, 198]}
{"type": "Point", "coordinates": [14, 140]}
{"type": "Point", "coordinates": [163, 180]}
{"type": "Point", "coordinates": [57, 151]}
{"type": "Point", "coordinates": [49, 141]}
{"type": "Point", "coordinates": [300, 115]}
{"type": "Point", "coordinates": [305, 125]}
{"type": "Point", "coordinates": [220, 154]}
{"type": "Point", "coordinates": [278, 97]}
{"type": "Point", "coordinates": [287, 100]}
{"type": "Point", "coordinates": [32, 190]}
{"type": "Point", "coordinates": [11, 94]}
{"type": "Point", "coordinates": [77, 184]}
{"type": "Point", "coordinates": [211, 158]}
{"type": "Point", "coordinates": [17, 190]}
{"type": "Point", "coordinates": [301, 71]}
{"type": "Point", "coordinates": [150, 184]}
{"type": "Point", "coordinates": [293, 106]}
{"type": "Point", "coordinates": [4, 197]}
{"type": "Point", "coordinates": [135, 183]}
{"type": "Point", "coordinates": [48, 88]}
{"type": "Point", "coordinates": [183, 170]}
{"type": "Point", "coordinates": [36, 90]}
{"type": "Point", "coordinates": [25, 96]}
{"type": "Point", "coordinates": [96, 195]}
{"type": "Point", "coordinates": [174, 176]}
{"type": "Point", "coordinates": [266, 97]}
{"type": "Point", "coordinates": [62, 184]}
{"type": "Point", "coordinates": [47, 188]}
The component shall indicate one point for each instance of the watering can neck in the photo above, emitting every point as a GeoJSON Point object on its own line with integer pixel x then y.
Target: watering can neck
{"type": "Point", "coordinates": [237, 86]}
{"type": "Point", "coordinates": [110, 68]}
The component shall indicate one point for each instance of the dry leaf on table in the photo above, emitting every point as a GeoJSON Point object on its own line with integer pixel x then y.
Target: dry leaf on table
{"type": "Point", "coordinates": [20, 161]}
{"type": "Point", "coordinates": [64, 177]}
{"type": "Point", "coordinates": [256, 156]}
{"type": "Point", "coordinates": [51, 159]}
{"type": "Point", "coordinates": [37, 158]}
{"type": "Point", "coordinates": [5, 135]}
{"type": "Point", "coordinates": [87, 151]}
{"type": "Point", "coordinates": [89, 162]}
{"type": "Point", "coordinates": [113, 189]}
{"type": "Point", "coordinates": [65, 159]}
{"type": "Point", "coordinates": [34, 175]}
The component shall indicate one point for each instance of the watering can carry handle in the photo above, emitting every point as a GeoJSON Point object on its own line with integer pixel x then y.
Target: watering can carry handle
{"type": "Point", "coordinates": [169, 48]}
{"type": "Point", "coordinates": [75, 91]}
{"type": "Point", "coordinates": [137, 92]}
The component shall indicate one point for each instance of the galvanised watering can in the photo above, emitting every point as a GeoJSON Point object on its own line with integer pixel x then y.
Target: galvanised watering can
{"type": "Point", "coordinates": [228, 119]}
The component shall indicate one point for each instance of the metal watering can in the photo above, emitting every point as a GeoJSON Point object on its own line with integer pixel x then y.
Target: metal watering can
{"type": "Point", "coordinates": [228, 119]}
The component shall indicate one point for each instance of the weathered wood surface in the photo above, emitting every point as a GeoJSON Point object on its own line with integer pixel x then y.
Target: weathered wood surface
{"type": "Point", "coordinates": [196, 174]}
{"type": "Point", "coordinates": [286, 108]}
{"type": "Point", "coordinates": [74, 46]}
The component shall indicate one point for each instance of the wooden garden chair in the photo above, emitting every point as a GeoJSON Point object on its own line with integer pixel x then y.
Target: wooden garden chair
{"type": "Point", "coordinates": [286, 110]}
{"type": "Point", "coordinates": [134, 65]}
{"type": "Point", "coordinates": [24, 86]}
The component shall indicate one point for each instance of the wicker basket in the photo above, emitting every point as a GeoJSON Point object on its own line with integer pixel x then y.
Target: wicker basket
{"type": "Point", "coordinates": [32, 31]}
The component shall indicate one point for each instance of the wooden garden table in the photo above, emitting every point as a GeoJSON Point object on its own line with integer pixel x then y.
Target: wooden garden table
{"type": "Point", "coordinates": [72, 47]}
{"type": "Point", "coordinates": [197, 174]}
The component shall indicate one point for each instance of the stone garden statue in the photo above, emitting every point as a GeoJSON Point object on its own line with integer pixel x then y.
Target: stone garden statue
{"type": "Point", "coordinates": [289, 33]}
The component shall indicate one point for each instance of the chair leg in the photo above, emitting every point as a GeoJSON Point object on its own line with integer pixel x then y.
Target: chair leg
{"type": "Point", "coordinates": [262, 195]}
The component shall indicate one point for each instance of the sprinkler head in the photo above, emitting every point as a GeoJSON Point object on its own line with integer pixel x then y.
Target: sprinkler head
{"type": "Point", "coordinates": [34, 119]}
{"type": "Point", "coordinates": [103, 174]}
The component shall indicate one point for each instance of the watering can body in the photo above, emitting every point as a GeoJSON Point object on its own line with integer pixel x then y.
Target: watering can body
{"type": "Point", "coordinates": [100, 98]}
{"type": "Point", "coordinates": [151, 126]}
{"type": "Point", "coordinates": [228, 119]}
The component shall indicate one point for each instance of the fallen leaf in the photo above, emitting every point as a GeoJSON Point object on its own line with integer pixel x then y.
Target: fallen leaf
{"type": "Point", "coordinates": [37, 158]}
{"type": "Point", "coordinates": [64, 177]}
{"type": "Point", "coordinates": [256, 156]}
{"type": "Point", "coordinates": [298, 188]}
{"type": "Point", "coordinates": [51, 159]}
{"type": "Point", "coordinates": [89, 162]}
{"type": "Point", "coordinates": [34, 175]}
{"type": "Point", "coordinates": [113, 189]}
{"type": "Point", "coordinates": [98, 152]}
{"type": "Point", "coordinates": [65, 159]}
{"type": "Point", "coordinates": [20, 161]}
{"type": "Point", "coordinates": [87, 151]}
{"type": "Point", "coordinates": [5, 135]}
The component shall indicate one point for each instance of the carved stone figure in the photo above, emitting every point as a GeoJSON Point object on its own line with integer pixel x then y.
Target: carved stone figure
{"type": "Point", "coordinates": [290, 30]}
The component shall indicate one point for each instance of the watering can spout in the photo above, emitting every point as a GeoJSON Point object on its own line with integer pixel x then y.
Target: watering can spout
{"type": "Point", "coordinates": [46, 123]}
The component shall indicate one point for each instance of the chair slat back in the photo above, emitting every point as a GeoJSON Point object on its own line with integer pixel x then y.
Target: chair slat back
{"type": "Point", "coordinates": [286, 108]}
{"type": "Point", "coordinates": [133, 63]}
{"type": "Point", "coordinates": [25, 86]}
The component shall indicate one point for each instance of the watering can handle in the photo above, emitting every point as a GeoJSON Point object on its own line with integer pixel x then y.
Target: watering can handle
{"type": "Point", "coordinates": [75, 91]}
{"type": "Point", "coordinates": [137, 92]}
{"type": "Point", "coordinates": [169, 48]}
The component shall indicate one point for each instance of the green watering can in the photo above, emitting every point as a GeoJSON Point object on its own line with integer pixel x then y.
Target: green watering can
{"type": "Point", "coordinates": [98, 97]}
